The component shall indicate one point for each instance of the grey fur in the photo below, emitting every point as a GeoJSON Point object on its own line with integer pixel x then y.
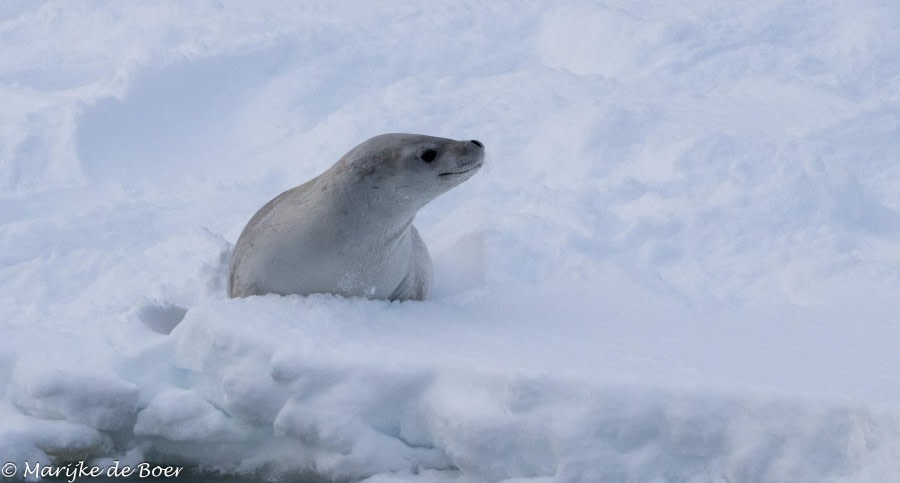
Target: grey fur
{"type": "Point", "coordinates": [349, 231]}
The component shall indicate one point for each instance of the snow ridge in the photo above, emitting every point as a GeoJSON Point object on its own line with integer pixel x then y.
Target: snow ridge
{"type": "Point", "coordinates": [678, 264]}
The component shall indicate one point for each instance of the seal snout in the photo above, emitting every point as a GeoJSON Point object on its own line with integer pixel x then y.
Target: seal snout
{"type": "Point", "coordinates": [475, 156]}
{"type": "Point", "coordinates": [470, 157]}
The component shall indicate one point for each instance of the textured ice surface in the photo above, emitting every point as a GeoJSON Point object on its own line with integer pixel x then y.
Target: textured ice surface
{"type": "Point", "coordinates": [680, 262]}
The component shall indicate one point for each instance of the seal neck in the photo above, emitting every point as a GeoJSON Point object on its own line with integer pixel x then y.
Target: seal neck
{"type": "Point", "coordinates": [385, 210]}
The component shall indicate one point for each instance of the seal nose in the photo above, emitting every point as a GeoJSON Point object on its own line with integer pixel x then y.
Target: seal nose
{"type": "Point", "coordinates": [477, 143]}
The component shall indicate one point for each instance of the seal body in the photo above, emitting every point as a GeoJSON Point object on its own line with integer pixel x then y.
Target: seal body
{"type": "Point", "coordinates": [349, 231]}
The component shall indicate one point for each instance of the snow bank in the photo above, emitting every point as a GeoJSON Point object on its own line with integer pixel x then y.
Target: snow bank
{"type": "Point", "coordinates": [369, 396]}
{"type": "Point", "coordinates": [679, 263]}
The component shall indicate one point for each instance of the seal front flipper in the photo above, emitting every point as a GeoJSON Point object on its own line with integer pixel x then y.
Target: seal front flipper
{"type": "Point", "coordinates": [417, 281]}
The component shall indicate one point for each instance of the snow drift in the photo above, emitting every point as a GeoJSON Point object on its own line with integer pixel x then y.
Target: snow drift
{"type": "Point", "coordinates": [679, 263]}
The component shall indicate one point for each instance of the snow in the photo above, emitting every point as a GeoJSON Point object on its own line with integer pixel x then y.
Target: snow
{"type": "Point", "coordinates": [680, 262]}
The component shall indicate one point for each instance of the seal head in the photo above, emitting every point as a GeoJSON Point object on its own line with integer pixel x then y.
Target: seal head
{"type": "Point", "coordinates": [349, 231]}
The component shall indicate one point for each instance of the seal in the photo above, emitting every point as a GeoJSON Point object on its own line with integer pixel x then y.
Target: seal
{"type": "Point", "coordinates": [349, 231]}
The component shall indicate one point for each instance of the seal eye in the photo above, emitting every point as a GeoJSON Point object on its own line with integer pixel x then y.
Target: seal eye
{"type": "Point", "coordinates": [428, 155]}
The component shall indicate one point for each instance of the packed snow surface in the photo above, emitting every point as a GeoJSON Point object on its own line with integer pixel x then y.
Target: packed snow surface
{"type": "Point", "coordinates": [680, 263]}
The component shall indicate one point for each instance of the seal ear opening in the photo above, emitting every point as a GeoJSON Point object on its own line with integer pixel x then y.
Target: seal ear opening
{"type": "Point", "coordinates": [428, 155]}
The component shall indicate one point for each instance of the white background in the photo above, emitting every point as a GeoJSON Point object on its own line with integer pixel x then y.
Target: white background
{"type": "Point", "coordinates": [680, 261]}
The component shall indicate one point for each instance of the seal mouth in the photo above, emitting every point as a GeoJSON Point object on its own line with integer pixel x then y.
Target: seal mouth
{"type": "Point", "coordinates": [454, 173]}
